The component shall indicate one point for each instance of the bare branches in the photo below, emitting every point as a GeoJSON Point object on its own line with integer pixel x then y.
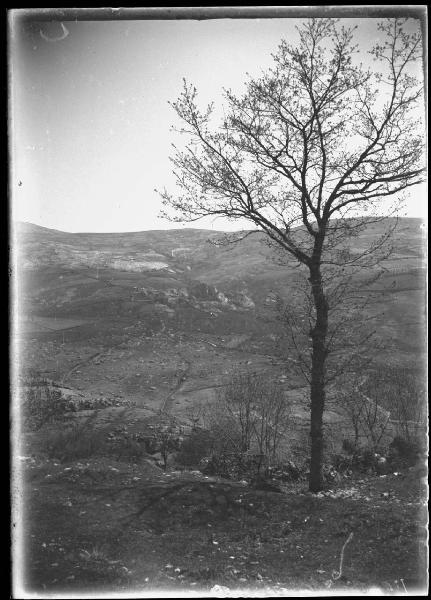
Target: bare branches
{"type": "Point", "coordinates": [391, 158]}
{"type": "Point", "coordinates": [252, 412]}
{"type": "Point", "coordinates": [310, 154]}
{"type": "Point", "coordinates": [313, 136]}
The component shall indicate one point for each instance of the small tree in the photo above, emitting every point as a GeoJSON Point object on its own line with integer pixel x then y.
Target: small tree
{"type": "Point", "coordinates": [167, 440]}
{"type": "Point", "coordinates": [318, 141]}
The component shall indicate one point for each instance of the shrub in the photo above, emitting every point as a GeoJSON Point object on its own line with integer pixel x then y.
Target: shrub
{"type": "Point", "coordinates": [349, 447]}
{"type": "Point", "coordinates": [364, 458]}
{"type": "Point", "coordinates": [127, 449]}
{"type": "Point", "coordinates": [405, 451]}
{"type": "Point", "coordinates": [361, 459]}
{"type": "Point", "coordinates": [42, 404]}
{"type": "Point", "coordinates": [330, 473]}
{"type": "Point", "coordinates": [150, 445]}
{"type": "Point", "coordinates": [195, 447]}
{"type": "Point", "coordinates": [75, 442]}
{"type": "Point", "coordinates": [249, 466]}
{"type": "Point", "coordinates": [77, 403]}
{"type": "Point", "coordinates": [286, 472]}
{"type": "Point", "coordinates": [167, 440]}
{"type": "Point", "coordinates": [343, 463]}
{"type": "Point", "coordinates": [231, 465]}
{"type": "Point", "coordinates": [235, 465]}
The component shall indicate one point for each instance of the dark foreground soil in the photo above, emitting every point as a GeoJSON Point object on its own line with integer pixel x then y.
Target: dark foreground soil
{"type": "Point", "coordinates": [100, 525]}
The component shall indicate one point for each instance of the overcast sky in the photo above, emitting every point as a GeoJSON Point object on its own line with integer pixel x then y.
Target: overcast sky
{"type": "Point", "coordinates": [90, 118]}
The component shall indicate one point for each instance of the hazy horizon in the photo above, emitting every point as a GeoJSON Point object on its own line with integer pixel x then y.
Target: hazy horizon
{"type": "Point", "coordinates": [184, 227]}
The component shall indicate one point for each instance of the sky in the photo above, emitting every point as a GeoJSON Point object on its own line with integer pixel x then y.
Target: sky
{"type": "Point", "coordinates": [90, 121]}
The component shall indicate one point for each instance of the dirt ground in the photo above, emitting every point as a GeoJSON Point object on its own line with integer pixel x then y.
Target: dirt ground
{"type": "Point", "coordinates": [104, 525]}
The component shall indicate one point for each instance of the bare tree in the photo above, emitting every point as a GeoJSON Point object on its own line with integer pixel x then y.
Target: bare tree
{"type": "Point", "coordinates": [307, 155]}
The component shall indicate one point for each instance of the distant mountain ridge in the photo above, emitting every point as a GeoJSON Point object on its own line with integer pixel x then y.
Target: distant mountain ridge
{"type": "Point", "coordinates": [184, 277]}
{"type": "Point", "coordinates": [192, 250]}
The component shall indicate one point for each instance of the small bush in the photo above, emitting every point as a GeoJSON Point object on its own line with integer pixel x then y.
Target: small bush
{"type": "Point", "coordinates": [77, 403]}
{"type": "Point", "coordinates": [343, 463]}
{"type": "Point", "coordinates": [360, 459]}
{"type": "Point", "coordinates": [286, 472]}
{"type": "Point", "coordinates": [404, 451]}
{"type": "Point", "coordinates": [195, 447]}
{"type": "Point", "coordinates": [234, 465]}
{"type": "Point", "coordinates": [128, 449]}
{"type": "Point", "coordinates": [349, 447]}
{"type": "Point", "coordinates": [42, 404]}
{"type": "Point", "coordinates": [76, 442]}
{"type": "Point", "coordinates": [168, 440]}
{"type": "Point", "coordinates": [330, 473]}
{"type": "Point", "coordinates": [127, 446]}
{"type": "Point", "coordinates": [364, 458]}
{"type": "Point", "coordinates": [150, 445]}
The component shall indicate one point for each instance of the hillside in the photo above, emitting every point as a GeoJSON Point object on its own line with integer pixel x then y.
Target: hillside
{"type": "Point", "coordinates": [142, 330]}
{"type": "Point", "coordinates": [123, 315]}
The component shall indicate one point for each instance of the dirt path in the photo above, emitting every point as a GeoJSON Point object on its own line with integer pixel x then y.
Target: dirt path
{"type": "Point", "coordinates": [181, 380]}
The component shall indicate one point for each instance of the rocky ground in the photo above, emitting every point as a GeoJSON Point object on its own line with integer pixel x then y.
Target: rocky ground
{"type": "Point", "coordinates": [101, 524]}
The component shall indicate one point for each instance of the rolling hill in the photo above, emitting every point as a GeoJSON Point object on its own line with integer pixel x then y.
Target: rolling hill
{"type": "Point", "coordinates": [162, 317]}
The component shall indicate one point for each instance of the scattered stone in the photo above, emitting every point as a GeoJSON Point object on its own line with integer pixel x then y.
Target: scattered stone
{"type": "Point", "coordinates": [220, 590]}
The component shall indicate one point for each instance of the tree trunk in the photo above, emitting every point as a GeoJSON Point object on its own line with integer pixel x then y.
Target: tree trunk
{"type": "Point", "coordinates": [317, 387]}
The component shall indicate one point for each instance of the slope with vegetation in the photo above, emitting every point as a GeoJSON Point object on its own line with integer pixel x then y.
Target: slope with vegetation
{"type": "Point", "coordinates": [123, 376]}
